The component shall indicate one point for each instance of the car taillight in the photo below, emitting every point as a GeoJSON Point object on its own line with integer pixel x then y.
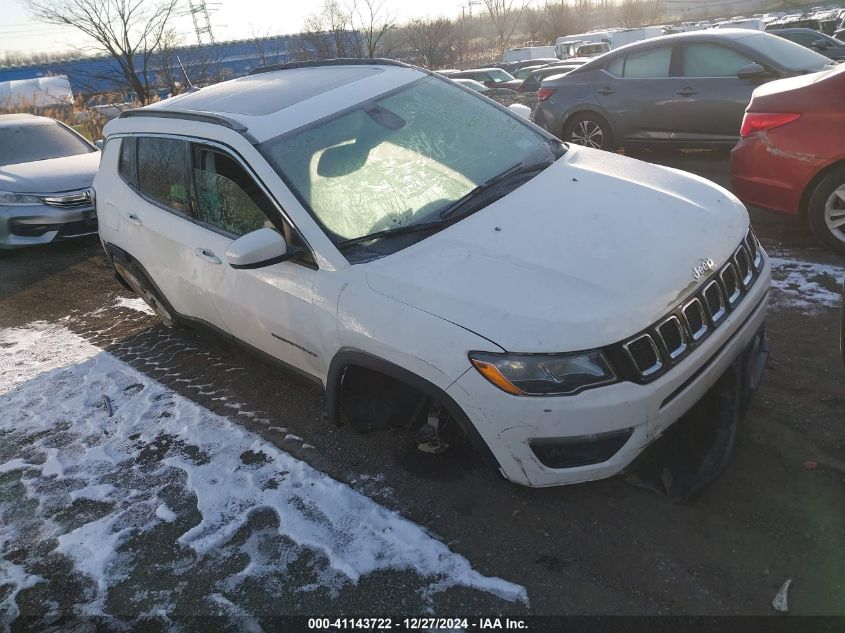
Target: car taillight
{"type": "Point", "coordinates": [544, 93]}
{"type": "Point", "coordinates": [762, 121]}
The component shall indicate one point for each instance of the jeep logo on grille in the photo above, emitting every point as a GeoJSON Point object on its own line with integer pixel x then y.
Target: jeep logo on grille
{"type": "Point", "coordinates": [705, 266]}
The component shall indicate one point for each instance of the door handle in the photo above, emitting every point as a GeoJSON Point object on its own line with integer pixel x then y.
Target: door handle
{"type": "Point", "coordinates": [687, 92]}
{"type": "Point", "coordinates": [134, 219]}
{"type": "Point", "coordinates": [207, 255]}
{"type": "Point", "coordinates": [607, 90]}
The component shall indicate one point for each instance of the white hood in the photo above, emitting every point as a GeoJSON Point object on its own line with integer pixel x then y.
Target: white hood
{"type": "Point", "coordinates": [587, 253]}
{"type": "Point", "coordinates": [52, 175]}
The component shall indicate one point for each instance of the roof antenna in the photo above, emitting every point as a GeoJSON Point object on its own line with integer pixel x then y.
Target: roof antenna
{"type": "Point", "coordinates": [191, 87]}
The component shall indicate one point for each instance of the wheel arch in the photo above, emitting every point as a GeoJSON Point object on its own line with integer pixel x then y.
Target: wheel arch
{"type": "Point", "coordinates": [116, 252]}
{"type": "Point", "coordinates": [585, 108]}
{"type": "Point", "coordinates": [804, 203]}
{"type": "Point", "coordinates": [352, 357]}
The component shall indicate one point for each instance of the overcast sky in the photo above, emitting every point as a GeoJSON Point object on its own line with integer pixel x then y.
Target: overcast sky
{"type": "Point", "coordinates": [230, 19]}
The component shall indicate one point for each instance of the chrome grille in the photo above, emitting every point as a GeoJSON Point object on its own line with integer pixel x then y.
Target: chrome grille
{"type": "Point", "coordinates": [643, 351]}
{"type": "Point", "coordinates": [715, 301]}
{"type": "Point", "coordinates": [696, 319]}
{"type": "Point", "coordinates": [70, 200]}
{"type": "Point", "coordinates": [743, 265]}
{"type": "Point", "coordinates": [754, 250]}
{"type": "Point", "coordinates": [730, 281]}
{"type": "Point", "coordinates": [667, 342]}
{"type": "Point", "coordinates": [672, 335]}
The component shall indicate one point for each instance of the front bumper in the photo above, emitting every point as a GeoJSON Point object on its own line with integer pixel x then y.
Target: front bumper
{"type": "Point", "coordinates": [641, 413]}
{"type": "Point", "coordinates": [30, 225]}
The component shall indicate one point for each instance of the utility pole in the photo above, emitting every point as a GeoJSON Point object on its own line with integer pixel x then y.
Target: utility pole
{"type": "Point", "coordinates": [466, 11]}
{"type": "Point", "coordinates": [202, 23]}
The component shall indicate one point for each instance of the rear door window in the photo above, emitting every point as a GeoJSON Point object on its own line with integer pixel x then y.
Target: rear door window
{"type": "Point", "coordinates": [650, 64]}
{"type": "Point", "coordinates": [712, 60]}
{"type": "Point", "coordinates": [163, 174]}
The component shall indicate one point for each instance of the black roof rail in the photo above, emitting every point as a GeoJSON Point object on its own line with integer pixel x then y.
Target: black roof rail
{"type": "Point", "coordinates": [189, 115]}
{"type": "Point", "coordinates": [204, 117]}
{"type": "Point", "coordinates": [338, 61]}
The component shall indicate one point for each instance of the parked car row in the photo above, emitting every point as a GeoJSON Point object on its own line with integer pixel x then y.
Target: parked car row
{"type": "Point", "coordinates": [694, 89]}
{"type": "Point", "coordinates": [525, 76]}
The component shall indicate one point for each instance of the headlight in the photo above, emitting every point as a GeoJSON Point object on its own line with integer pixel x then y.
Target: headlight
{"type": "Point", "coordinates": [16, 199]}
{"type": "Point", "coordinates": [544, 374]}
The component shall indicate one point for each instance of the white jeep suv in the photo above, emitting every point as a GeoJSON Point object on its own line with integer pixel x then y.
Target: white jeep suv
{"type": "Point", "coordinates": [424, 253]}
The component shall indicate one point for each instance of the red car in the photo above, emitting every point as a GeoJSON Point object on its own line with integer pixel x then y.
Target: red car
{"type": "Point", "coordinates": [791, 157]}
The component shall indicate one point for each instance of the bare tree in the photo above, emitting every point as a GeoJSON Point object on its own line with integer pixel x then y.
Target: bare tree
{"type": "Point", "coordinates": [639, 12]}
{"type": "Point", "coordinates": [630, 13]}
{"type": "Point", "coordinates": [433, 40]}
{"type": "Point", "coordinates": [268, 49]}
{"type": "Point", "coordinates": [130, 31]}
{"type": "Point", "coordinates": [654, 11]}
{"type": "Point", "coordinates": [329, 32]}
{"type": "Point", "coordinates": [373, 19]}
{"type": "Point", "coordinates": [167, 63]}
{"type": "Point", "coordinates": [558, 20]}
{"type": "Point", "coordinates": [583, 15]}
{"type": "Point", "coordinates": [505, 15]}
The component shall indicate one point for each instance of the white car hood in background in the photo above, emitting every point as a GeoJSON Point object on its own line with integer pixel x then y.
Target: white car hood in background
{"type": "Point", "coordinates": [587, 253]}
{"type": "Point", "coordinates": [50, 176]}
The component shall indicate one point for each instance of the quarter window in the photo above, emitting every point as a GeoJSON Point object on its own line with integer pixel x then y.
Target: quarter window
{"type": "Point", "coordinates": [163, 174]}
{"type": "Point", "coordinates": [615, 67]}
{"type": "Point", "coordinates": [650, 64]}
{"type": "Point", "coordinates": [712, 60]}
{"type": "Point", "coordinates": [128, 167]}
{"type": "Point", "coordinates": [227, 198]}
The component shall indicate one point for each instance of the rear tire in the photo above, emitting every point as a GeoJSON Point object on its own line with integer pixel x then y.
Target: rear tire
{"type": "Point", "coordinates": [590, 130]}
{"type": "Point", "coordinates": [141, 286]}
{"type": "Point", "coordinates": [826, 209]}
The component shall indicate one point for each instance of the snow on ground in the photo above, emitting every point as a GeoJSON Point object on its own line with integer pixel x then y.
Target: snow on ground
{"type": "Point", "coordinates": [135, 303]}
{"type": "Point", "coordinates": [803, 285]}
{"type": "Point", "coordinates": [85, 481]}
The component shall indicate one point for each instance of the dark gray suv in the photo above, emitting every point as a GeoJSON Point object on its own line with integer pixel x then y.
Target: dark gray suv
{"type": "Point", "coordinates": [688, 90]}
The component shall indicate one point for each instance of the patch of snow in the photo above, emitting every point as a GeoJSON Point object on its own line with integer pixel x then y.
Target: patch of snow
{"type": "Point", "coordinates": [15, 464]}
{"type": "Point", "coordinates": [159, 444]}
{"type": "Point", "coordinates": [165, 514]}
{"type": "Point", "coordinates": [97, 492]}
{"type": "Point", "coordinates": [803, 285]}
{"type": "Point", "coordinates": [134, 303]}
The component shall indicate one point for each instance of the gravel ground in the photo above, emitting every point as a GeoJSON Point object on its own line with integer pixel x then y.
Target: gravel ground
{"type": "Point", "coordinates": [600, 548]}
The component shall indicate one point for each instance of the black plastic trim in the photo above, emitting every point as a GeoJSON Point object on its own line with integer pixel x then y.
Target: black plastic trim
{"type": "Point", "coordinates": [338, 61]}
{"type": "Point", "coordinates": [706, 365]}
{"type": "Point", "coordinates": [348, 356]}
{"type": "Point", "coordinates": [188, 115]}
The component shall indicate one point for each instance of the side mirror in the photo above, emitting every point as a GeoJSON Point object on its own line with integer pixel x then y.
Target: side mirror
{"type": "Point", "coordinates": [522, 110]}
{"type": "Point", "coordinates": [752, 71]}
{"type": "Point", "coordinates": [99, 143]}
{"type": "Point", "coordinates": [257, 249]}
{"type": "Point", "coordinates": [823, 44]}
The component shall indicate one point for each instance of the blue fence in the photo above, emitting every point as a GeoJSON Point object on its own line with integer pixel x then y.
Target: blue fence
{"type": "Point", "coordinates": [210, 62]}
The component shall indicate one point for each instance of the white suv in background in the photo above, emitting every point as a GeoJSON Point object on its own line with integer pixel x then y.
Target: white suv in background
{"type": "Point", "coordinates": [425, 254]}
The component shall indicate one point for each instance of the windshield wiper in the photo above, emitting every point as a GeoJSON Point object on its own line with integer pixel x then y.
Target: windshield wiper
{"type": "Point", "coordinates": [399, 230]}
{"type": "Point", "coordinates": [461, 204]}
